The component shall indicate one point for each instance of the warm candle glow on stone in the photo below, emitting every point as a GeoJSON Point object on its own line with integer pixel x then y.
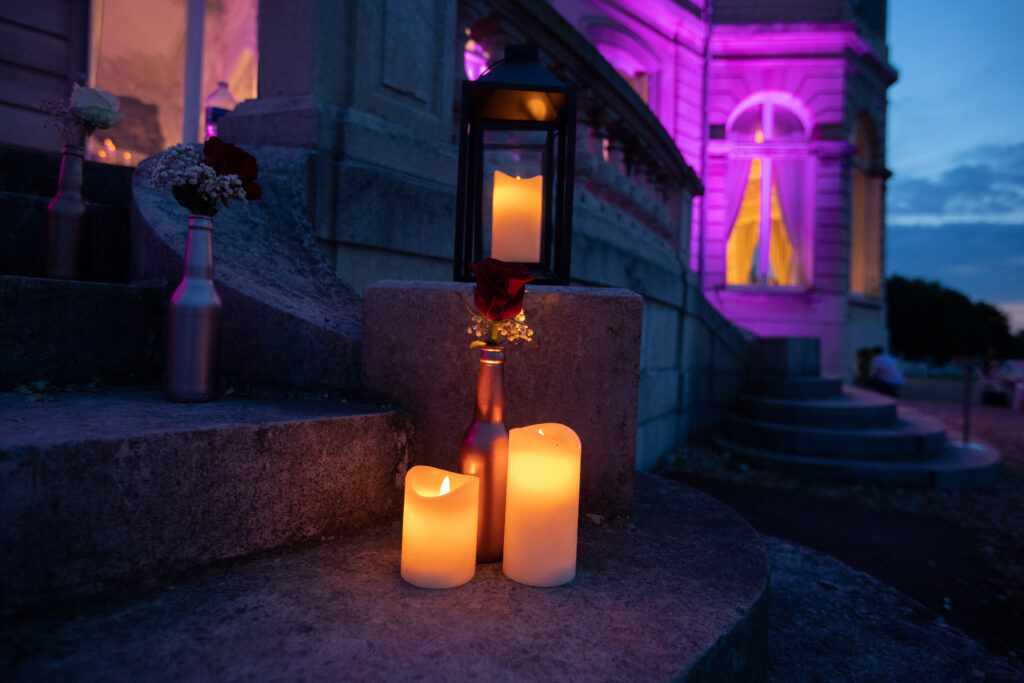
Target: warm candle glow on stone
{"type": "Point", "coordinates": [516, 218]}
{"type": "Point", "coordinates": [439, 527]}
{"type": "Point", "coordinates": [542, 505]}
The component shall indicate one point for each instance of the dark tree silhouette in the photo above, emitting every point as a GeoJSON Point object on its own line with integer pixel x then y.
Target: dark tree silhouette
{"type": "Point", "coordinates": [930, 322]}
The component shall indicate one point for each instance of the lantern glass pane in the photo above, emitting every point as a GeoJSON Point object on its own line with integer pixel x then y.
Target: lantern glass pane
{"type": "Point", "coordinates": [515, 195]}
{"type": "Point", "coordinates": [518, 105]}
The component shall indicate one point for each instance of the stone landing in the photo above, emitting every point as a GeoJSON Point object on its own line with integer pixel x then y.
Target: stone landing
{"type": "Point", "coordinates": [680, 595]}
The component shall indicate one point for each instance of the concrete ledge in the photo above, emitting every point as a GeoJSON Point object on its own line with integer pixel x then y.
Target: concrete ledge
{"type": "Point", "coordinates": [582, 370]}
{"type": "Point", "coordinates": [98, 490]}
{"type": "Point", "coordinates": [680, 596]}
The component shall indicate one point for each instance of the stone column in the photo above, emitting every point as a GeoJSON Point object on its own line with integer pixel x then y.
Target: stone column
{"type": "Point", "coordinates": [369, 85]}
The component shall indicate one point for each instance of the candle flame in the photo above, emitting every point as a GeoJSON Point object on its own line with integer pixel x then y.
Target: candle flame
{"type": "Point", "coordinates": [446, 486]}
{"type": "Point", "coordinates": [541, 432]}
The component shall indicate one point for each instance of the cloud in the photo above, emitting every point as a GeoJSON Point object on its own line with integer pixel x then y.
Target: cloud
{"type": "Point", "coordinates": [985, 261]}
{"type": "Point", "coordinates": [986, 184]}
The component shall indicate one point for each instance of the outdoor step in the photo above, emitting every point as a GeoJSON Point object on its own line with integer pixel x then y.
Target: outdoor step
{"type": "Point", "coordinates": [920, 439]}
{"type": "Point", "coordinates": [787, 356]}
{"type": "Point", "coordinates": [72, 332]}
{"type": "Point", "coordinates": [853, 409]}
{"type": "Point", "coordinates": [28, 172]}
{"type": "Point", "coordinates": [679, 595]}
{"type": "Point", "coordinates": [952, 468]}
{"type": "Point", "coordinates": [98, 490]}
{"type": "Point", "coordinates": [23, 231]}
{"type": "Point", "coordinates": [796, 388]}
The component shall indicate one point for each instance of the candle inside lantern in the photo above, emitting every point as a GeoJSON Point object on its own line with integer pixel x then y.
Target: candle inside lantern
{"type": "Point", "coordinates": [516, 211]}
{"type": "Point", "coordinates": [439, 527]}
{"type": "Point", "coordinates": [542, 505]}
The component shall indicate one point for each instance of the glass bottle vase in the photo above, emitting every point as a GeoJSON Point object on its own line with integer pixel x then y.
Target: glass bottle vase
{"type": "Point", "coordinates": [193, 323]}
{"type": "Point", "coordinates": [483, 452]}
{"type": "Point", "coordinates": [66, 220]}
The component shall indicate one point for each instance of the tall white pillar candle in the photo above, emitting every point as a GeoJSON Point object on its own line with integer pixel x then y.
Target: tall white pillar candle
{"type": "Point", "coordinates": [542, 505]}
{"type": "Point", "coordinates": [439, 527]}
{"type": "Point", "coordinates": [516, 213]}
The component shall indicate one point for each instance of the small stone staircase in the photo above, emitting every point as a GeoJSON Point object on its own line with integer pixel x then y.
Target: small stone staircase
{"type": "Point", "coordinates": [792, 419]}
{"type": "Point", "coordinates": [104, 484]}
{"type": "Point", "coordinates": [120, 508]}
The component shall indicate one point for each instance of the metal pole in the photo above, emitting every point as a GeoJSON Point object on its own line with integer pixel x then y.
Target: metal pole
{"type": "Point", "coordinates": [193, 69]}
{"type": "Point", "coordinates": [968, 379]}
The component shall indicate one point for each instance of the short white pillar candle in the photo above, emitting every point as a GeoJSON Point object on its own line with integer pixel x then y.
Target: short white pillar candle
{"type": "Point", "coordinates": [542, 505]}
{"type": "Point", "coordinates": [439, 527]}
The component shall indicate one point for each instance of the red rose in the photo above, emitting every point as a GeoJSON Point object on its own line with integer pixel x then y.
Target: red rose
{"type": "Point", "coordinates": [499, 288]}
{"type": "Point", "coordinates": [227, 159]}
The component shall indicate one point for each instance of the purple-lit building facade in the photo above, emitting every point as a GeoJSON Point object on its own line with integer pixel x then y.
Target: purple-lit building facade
{"type": "Point", "coordinates": [780, 107]}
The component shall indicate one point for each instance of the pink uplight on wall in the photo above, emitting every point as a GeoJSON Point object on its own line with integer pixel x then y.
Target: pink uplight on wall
{"type": "Point", "coordinates": [475, 59]}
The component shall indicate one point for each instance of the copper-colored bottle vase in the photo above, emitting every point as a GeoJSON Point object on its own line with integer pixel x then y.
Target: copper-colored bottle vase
{"type": "Point", "coordinates": [66, 224]}
{"type": "Point", "coordinates": [484, 453]}
{"type": "Point", "coordinates": [193, 325]}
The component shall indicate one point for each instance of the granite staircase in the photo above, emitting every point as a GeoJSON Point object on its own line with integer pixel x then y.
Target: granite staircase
{"type": "Point", "coordinates": [104, 485]}
{"type": "Point", "coordinates": [792, 419]}
{"type": "Point", "coordinates": [257, 536]}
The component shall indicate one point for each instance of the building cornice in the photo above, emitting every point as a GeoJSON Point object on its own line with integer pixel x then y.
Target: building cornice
{"type": "Point", "coordinates": [746, 41]}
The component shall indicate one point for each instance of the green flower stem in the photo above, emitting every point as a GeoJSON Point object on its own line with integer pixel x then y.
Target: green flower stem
{"type": "Point", "coordinates": [494, 333]}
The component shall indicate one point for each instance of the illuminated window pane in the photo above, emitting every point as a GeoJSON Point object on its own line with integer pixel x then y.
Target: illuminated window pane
{"type": "Point", "coordinates": [763, 247]}
{"type": "Point", "coordinates": [741, 249]}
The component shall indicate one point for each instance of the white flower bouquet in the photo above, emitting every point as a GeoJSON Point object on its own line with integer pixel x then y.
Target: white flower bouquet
{"type": "Point", "coordinates": [86, 111]}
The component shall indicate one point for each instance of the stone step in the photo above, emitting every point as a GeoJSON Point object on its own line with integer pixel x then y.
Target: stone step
{"type": "Point", "coordinates": [853, 409]}
{"type": "Point", "coordinates": [681, 596]}
{"type": "Point", "coordinates": [72, 332]}
{"type": "Point", "coordinates": [28, 172]}
{"type": "Point", "coordinates": [953, 468]}
{"type": "Point", "coordinates": [23, 231]}
{"type": "Point", "coordinates": [920, 439]}
{"type": "Point", "coordinates": [102, 490]}
{"type": "Point", "coordinates": [796, 388]}
{"type": "Point", "coordinates": [787, 356]}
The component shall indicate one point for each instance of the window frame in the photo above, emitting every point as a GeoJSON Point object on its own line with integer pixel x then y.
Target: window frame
{"type": "Point", "coordinates": [769, 151]}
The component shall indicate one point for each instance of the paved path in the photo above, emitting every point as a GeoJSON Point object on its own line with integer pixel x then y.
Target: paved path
{"type": "Point", "coordinates": [832, 623]}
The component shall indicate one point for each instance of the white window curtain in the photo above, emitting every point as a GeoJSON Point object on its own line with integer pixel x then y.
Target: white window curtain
{"type": "Point", "coordinates": [790, 176]}
{"type": "Point", "coordinates": [737, 172]}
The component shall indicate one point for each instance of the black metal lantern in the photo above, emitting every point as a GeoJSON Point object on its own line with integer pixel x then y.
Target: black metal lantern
{"type": "Point", "coordinates": [517, 146]}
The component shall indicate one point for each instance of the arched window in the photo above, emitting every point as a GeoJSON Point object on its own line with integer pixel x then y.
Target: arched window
{"type": "Point", "coordinates": [767, 192]}
{"type": "Point", "coordinates": [865, 213]}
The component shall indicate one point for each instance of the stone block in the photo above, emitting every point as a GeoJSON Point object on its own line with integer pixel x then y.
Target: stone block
{"type": "Point", "coordinates": [661, 336]}
{"type": "Point", "coordinates": [789, 356]}
{"type": "Point", "coordinates": [656, 440]}
{"type": "Point", "coordinates": [727, 388]}
{"type": "Point", "coordinates": [384, 212]}
{"type": "Point", "coordinates": [697, 342]}
{"type": "Point", "coordinates": [582, 370]}
{"type": "Point", "coordinates": [696, 387]}
{"type": "Point", "coordinates": [659, 393]}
